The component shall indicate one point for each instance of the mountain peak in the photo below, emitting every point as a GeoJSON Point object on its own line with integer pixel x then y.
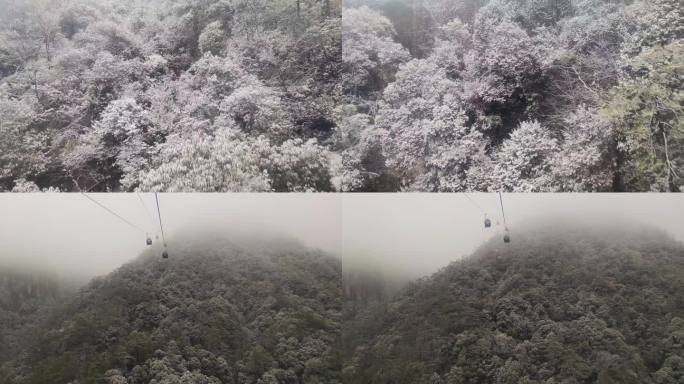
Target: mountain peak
{"type": "Point", "coordinates": [219, 308]}
{"type": "Point", "coordinates": [558, 303]}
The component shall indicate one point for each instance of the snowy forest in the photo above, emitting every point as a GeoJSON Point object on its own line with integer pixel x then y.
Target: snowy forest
{"type": "Point", "coordinates": [168, 95]}
{"type": "Point", "coordinates": [220, 310]}
{"type": "Point", "coordinates": [514, 95]}
{"type": "Point", "coordinates": [305, 95]}
{"type": "Point", "coordinates": [560, 304]}
{"type": "Point", "coordinates": [310, 289]}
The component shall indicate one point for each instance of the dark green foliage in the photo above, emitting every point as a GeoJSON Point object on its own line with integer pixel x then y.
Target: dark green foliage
{"type": "Point", "coordinates": [213, 312]}
{"type": "Point", "coordinates": [553, 306]}
{"type": "Point", "coordinates": [25, 298]}
{"type": "Point", "coordinates": [647, 107]}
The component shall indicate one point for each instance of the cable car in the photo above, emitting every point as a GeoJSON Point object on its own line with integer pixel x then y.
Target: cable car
{"type": "Point", "coordinates": [507, 236]}
{"type": "Point", "coordinates": [487, 222]}
{"type": "Point", "coordinates": [165, 254]}
{"type": "Point", "coordinates": [149, 240]}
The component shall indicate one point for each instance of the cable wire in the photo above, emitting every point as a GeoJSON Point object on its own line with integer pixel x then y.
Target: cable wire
{"type": "Point", "coordinates": [114, 213]}
{"type": "Point", "coordinates": [503, 214]}
{"type": "Point", "coordinates": [474, 203]}
{"type": "Point", "coordinates": [156, 198]}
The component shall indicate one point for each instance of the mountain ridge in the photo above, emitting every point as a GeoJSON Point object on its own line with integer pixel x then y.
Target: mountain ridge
{"type": "Point", "coordinates": [572, 305]}
{"type": "Point", "coordinates": [214, 312]}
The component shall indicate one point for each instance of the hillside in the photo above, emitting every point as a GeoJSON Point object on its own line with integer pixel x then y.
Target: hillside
{"type": "Point", "coordinates": [308, 95]}
{"type": "Point", "coordinates": [216, 311]}
{"type": "Point", "coordinates": [172, 95]}
{"type": "Point", "coordinates": [26, 296]}
{"type": "Point", "coordinates": [566, 304]}
{"type": "Point", "coordinates": [513, 95]}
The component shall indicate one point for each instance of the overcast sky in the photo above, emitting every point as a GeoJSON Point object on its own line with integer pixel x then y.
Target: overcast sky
{"type": "Point", "coordinates": [71, 235]}
{"type": "Point", "coordinates": [412, 233]}
{"type": "Point", "coordinates": [416, 234]}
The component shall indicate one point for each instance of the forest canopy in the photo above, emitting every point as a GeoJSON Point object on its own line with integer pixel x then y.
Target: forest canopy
{"type": "Point", "coordinates": [304, 95]}
{"type": "Point", "coordinates": [263, 310]}
{"type": "Point", "coordinates": [383, 95]}
{"type": "Point", "coordinates": [514, 95]}
{"type": "Point", "coordinates": [588, 299]}
{"type": "Point", "coordinates": [559, 304]}
{"type": "Point", "coordinates": [172, 95]}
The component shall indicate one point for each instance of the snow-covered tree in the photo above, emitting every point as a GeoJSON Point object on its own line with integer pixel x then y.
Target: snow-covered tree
{"type": "Point", "coordinates": [655, 23]}
{"type": "Point", "coordinates": [524, 161]}
{"type": "Point", "coordinates": [197, 162]}
{"type": "Point", "coordinates": [75, 74]}
{"type": "Point", "coordinates": [361, 164]}
{"type": "Point", "coordinates": [257, 110]}
{"type": "Point", "coordinates": [584, 161]}
{"type": "Point", "coordinates": [504, 65]}
{"type": "Point", "coordinates": [646, 112]}
{"type": "Point", "coordinates": [228, 160]}
{"type": "Point", "coordinates": [123, 138]}
{"type": "Point", "coordinates": [369, 52]}
{"type": "Point", "coordinates": [22, 147]}
{"type": "Point", "coordinates": [212, 39]}
{"type": "Point", "coordinates": [425, 136]}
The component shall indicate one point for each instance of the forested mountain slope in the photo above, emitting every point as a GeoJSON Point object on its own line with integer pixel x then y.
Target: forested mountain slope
{"type": "Point", "coordinates": [387, 95]}
{"type": "Point", "coordinates": [216, 311]}
{"type": "Point", "coordinates": [513, 95]}
{"type": "Point", "coordinates": [26, 298]}
{"type": "Point", "coordinates": [172, 95]}
{"type": "Point", "coordinates": [559, 305]}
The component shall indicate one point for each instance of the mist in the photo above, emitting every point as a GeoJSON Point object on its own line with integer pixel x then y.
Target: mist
{"type": "Point", "coordinates": [414, 235]}
{"type": "Point", "coordinates": [409, 235]}
{"type": "Point", "coordinates": [71, 236]}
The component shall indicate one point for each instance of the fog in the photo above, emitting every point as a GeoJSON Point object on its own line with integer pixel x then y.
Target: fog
{"type": "Point", "coordinates": [414, 235]}
{"type": "Point", "coordinates": [411, 235]}
{"type": "Point", "coordinates": [71, 236]}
